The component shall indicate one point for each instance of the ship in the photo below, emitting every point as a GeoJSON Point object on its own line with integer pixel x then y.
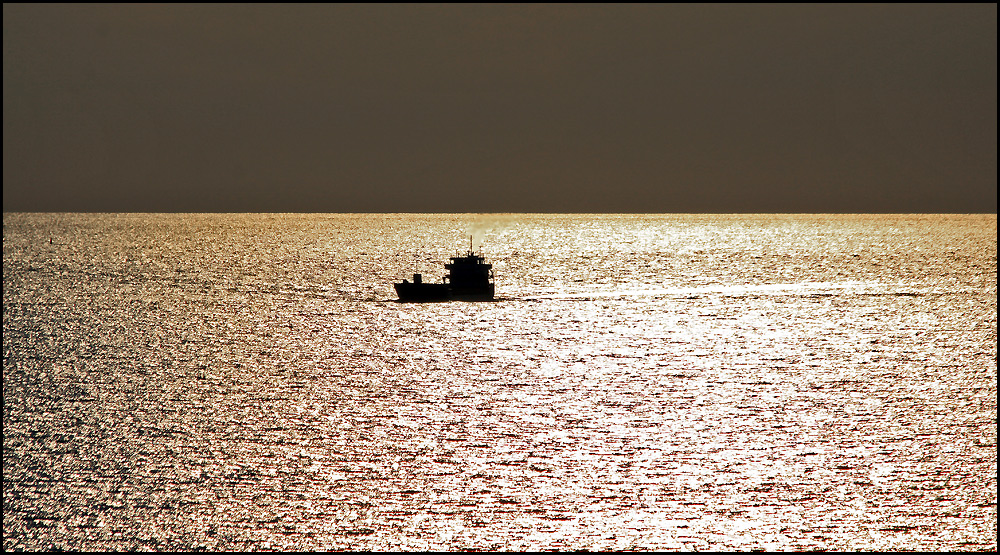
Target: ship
{"type": "Point", "coordinates": [469, 278]}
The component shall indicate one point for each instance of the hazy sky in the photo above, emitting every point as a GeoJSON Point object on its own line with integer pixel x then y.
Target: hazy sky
{"type": "Point", "coordinates": [500, 108]}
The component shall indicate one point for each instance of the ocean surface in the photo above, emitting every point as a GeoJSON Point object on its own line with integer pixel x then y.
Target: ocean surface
{"type": "Point", "coordinates": [647, 382]}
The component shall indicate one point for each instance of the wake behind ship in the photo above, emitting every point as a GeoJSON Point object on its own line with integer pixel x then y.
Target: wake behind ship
{"type": "Point", "coordinates": [469, 278]}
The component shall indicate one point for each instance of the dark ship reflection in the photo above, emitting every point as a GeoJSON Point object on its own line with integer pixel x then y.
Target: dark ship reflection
{"type": "Point", "coordinates": [469, 278]}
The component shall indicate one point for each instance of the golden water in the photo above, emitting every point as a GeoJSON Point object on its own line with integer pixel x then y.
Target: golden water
{"type": "Point", "coordinates": [244, 382]}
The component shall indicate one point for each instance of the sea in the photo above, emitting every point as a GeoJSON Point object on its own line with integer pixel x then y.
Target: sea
{"type": "Point", "coordinates": [250, 382]}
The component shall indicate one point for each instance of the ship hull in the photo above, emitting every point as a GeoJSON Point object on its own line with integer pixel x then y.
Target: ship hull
{"type": "Point", "coordinates": [484, 293]}
{"type": "Point", "coordinates": [439, 292]}
{"type": "Point", "coordinates": [422, 292]}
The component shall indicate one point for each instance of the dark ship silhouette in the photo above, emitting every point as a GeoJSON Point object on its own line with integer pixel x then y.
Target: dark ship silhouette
{"type": "Point", "coordinates": [469, 278]}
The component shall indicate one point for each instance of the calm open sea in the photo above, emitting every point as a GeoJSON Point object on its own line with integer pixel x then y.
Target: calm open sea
{"type": "Point", "coordinates": [726, 382]}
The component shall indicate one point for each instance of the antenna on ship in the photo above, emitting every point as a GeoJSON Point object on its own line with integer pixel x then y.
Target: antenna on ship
{"type": "Point", "coordinates": [470, 244]}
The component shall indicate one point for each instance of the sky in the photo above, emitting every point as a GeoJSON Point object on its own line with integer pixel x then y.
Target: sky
{"type": "Point", "coordinates": [568, 108]}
